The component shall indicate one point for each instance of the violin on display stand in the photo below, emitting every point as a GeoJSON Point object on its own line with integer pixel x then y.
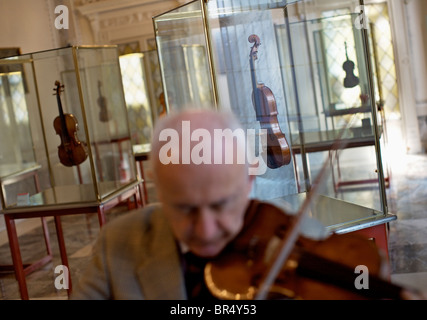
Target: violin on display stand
{"type": "Point", "coordinates": [71, 151]}
{"type": "Point", "coordinates": [350, 80]}
{"type": "Point", "coordinates": [264, 102]}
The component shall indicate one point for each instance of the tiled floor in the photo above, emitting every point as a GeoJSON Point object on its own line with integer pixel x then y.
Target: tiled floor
{"type": "Point", "coordinates": [408, 234]}
{"type": "Point", "coordinates": [407, 198]}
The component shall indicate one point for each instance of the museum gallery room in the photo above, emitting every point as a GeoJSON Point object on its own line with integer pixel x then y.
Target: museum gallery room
{"type": "Point", "coordinates": [330, 96]}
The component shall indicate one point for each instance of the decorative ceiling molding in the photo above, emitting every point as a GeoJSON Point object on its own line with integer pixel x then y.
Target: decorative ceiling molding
{"type": "Point", "coordinates": [115, 21]}
{"type": "Point", "coordinates": [89, 7]}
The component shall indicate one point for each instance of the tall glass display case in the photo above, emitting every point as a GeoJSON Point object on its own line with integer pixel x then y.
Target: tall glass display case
{"type": "Point", "coordinates": [301, 80]}
{"type": "Point", "coordinates": [64, 115]}
{"type": "Point", "coordinates": [184, 56]}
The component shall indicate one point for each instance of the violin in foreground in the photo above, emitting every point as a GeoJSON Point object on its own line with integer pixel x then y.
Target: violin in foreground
{"type": "Point", "coordinates": [314, 270]}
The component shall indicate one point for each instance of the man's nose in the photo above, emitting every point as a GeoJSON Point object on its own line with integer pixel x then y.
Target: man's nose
{"type": "Point", "coordinates": [205, 224]}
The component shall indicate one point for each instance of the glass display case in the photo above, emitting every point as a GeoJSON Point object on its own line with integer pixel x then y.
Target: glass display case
{"type": "Point", "coordinates": [64, 116]}
{"type": "Point", "coordinates": [184, 56]}
{"type": "Point", "coordinates": [333, 62]}
{"type": "Point", "coordinates": [301, 80]}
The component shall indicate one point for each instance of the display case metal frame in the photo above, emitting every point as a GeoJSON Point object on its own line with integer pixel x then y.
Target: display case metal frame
{"type": "Point", "coordinates": [92, 186]}
{"type": "Point", "coordinates": [208, 23]}
{"type": "Point", "coordinates": [77, 67]}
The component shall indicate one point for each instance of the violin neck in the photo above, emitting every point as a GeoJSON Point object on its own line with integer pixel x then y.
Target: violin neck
{"type": "Point", "coordinates": [255, 90]}
{"type": "Point", "coordinates": [253, 73]}
{"type": "Point", "coordinates": [99, 89]}
{"type": "Point", "coordinates": [64, 131]}
{"type": "Point", "coordinates": [346, 52]}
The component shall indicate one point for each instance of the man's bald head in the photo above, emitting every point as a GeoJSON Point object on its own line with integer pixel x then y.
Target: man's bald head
{"type": "Point", "coordinates": [198, 137]}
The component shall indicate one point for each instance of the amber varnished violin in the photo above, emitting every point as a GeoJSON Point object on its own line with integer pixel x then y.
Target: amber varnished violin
{"type": "Point", "coordinates": [350, 80]}
{"type": "Point", "coordinates": [278, 151]}
{"type": "Point", "coordinates": [71, 151]}
{"type": "Point", "coordinates": [340, 267]}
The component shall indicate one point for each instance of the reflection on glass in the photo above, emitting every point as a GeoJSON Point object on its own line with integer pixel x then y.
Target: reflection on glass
{"type": "Point", "coordinates": [15, 135]}
{"type": "Point", "coordinates": [135, 90]}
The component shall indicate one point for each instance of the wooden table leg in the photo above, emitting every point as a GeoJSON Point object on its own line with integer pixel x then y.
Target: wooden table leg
{"type": "Point", "coordinates": [144, 196]}
{"type": "Point", "coordinates": [101, 215]}
{"type": "Point", "coordinates": [16, 256]}
{"type": "Point", "coordinates": [46, 236]}
{"type": "Point", "coordinates": [62, 249]}
{"type": "Point", "coordinates": [139, 200]}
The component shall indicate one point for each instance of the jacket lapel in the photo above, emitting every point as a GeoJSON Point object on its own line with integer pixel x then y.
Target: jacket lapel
{"type": "Point", "coordinates": [161, 278]}
{"type": "Point", "coordinates": [160, 273]}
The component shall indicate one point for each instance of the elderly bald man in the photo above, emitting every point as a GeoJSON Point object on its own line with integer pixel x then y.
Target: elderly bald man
{"type": "Point", "coordinates": [203, 187]}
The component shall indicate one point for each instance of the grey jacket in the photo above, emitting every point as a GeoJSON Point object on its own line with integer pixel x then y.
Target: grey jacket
{"type": "Point", "coordinates": [136, 257]}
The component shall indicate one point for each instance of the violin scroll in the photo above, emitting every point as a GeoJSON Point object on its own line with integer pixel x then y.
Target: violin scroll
{"type": "Point", "coordinates": [254, 50]}
{"type": "Point", "coordinates": [253, 38]}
